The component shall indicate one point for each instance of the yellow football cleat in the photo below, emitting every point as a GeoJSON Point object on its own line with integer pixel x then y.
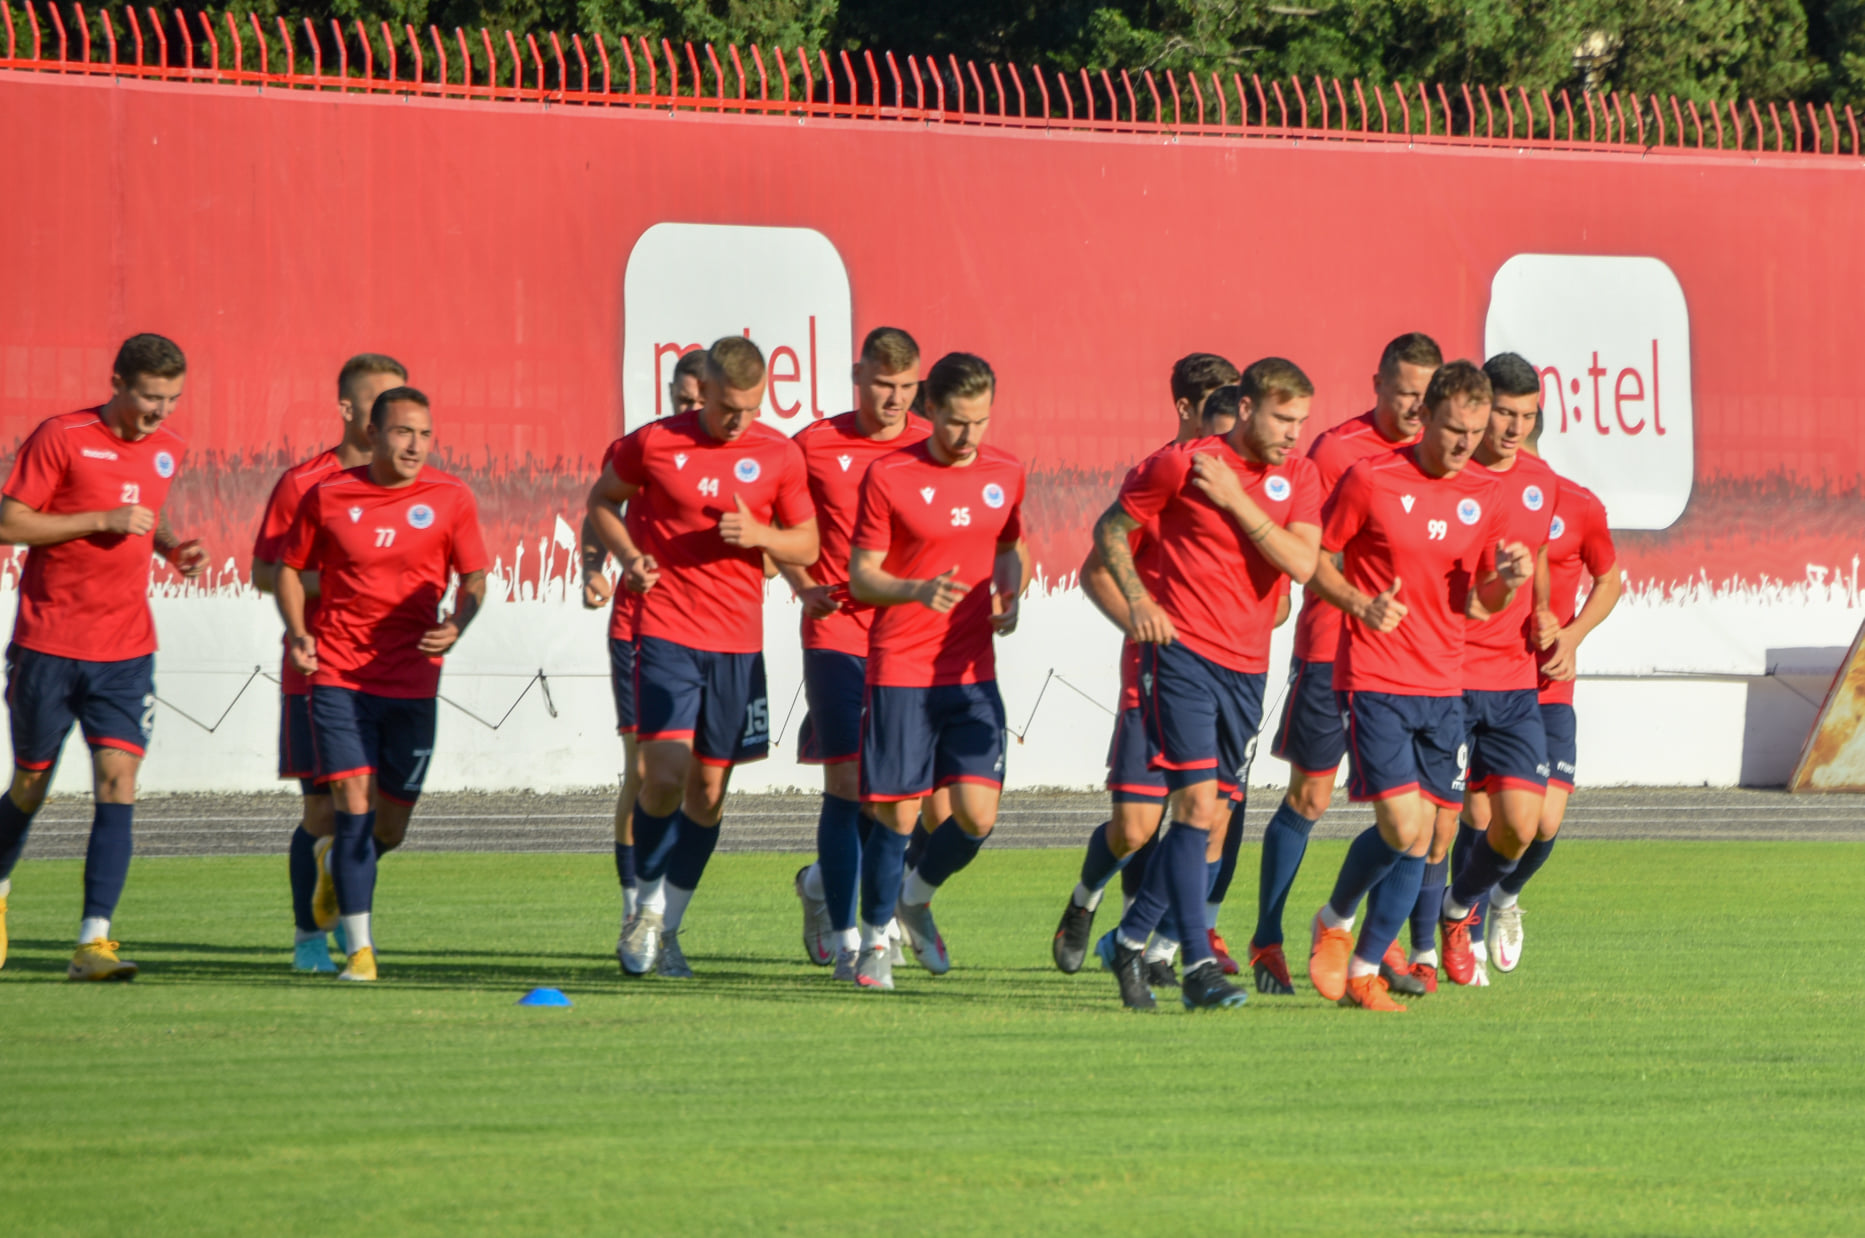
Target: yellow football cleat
{"type": "Point", "coordinates": [2, 930]}
{"type": "Point", "coordinates": [362, 965]}
{"type": "Point", "coordinates": [97, 960]}
{"type": "Point", "coordinates": [324, 898]}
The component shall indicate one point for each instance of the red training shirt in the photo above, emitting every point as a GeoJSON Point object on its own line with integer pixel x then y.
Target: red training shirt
{"type": "Point", "coordinates": [710, 595]}
{"type": "Point", "coordinates": [383, 555]}
{"type": "Point", "coordinates": [88, 598]}
{"type": "Point", "coordinates": [1499, 652]}
{"type": "Point", "coordinates": [1389, 518]}
{"type": "Point", "coordinates": [837, 455]}
{"type": "Point", "coordinates": [625, 603]}
{"type": "Point", "coordinates": [1579, 541]}
{"type": "Point", "coordinates": [928, 518]}
{"type": "Point", "coordinates": [280, 509]}
{"type": "Point", "coordinates": [1214, 584]}
{"type": "Point", "coordinates": [1317, 628]}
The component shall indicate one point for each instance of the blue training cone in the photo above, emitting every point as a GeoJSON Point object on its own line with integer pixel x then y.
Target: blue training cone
{"type": "Point", "coordinates": [544, 997]}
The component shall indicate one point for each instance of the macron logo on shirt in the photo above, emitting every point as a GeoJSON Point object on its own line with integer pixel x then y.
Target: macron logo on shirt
{"type": "Point", "coordinates": [927, 492]}
{"type": "Point", "coordinates": [679, 459]}
{"type": "Point", "coordinates": [1405, 501]}
{"type": "Point", "coordinates": [845, 461]}
{"type": "Point", "coordinates": [98, 453]}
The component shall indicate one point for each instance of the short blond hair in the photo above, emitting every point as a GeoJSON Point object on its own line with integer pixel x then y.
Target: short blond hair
{"type": "Point", "coordinates": [736, 362]}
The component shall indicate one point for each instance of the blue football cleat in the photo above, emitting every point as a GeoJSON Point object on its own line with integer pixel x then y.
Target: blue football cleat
{"type": "Point", "coordinates": [1104, 950]}
{"type": "Point", "coordinates": [313, 956]}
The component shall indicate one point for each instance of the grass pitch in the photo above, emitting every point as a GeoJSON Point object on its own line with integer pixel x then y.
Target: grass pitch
{"type": "Point", "coordinates": [1680, 1054]}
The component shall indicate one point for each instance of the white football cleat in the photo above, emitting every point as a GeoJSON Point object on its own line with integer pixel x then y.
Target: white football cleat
{"type": "Point", "coordinates": [923, 936]}
{"type": "Point", "coordinates": [1505, 937]}
{"type": "Point", "coordinates": [818, 933]}
{"type": "Point", "coordinates": [640, 947]}
{"type": "Point", "coordinates": [671, 965]}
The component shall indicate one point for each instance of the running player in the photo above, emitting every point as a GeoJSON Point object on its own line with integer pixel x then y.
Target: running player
{"type": "Point", "coordinates": [1418, 521]}
{"type": "Point", "coordinates": [1579, 543]}
{"type": "Point", "coordinates": [1311, 737]}
{"type": "Point", "coordinates": [721, 492]}
{"type": "Point", "coordinates": [384, 538]}
{"type": "Point", "coordinates": [837, 452]}
{"type": "Point", "coordinates": [1138, 791]}
{"type": "Point", "coordinates": [85, 495]}
{"type": "Point", "coordinates": [313, 894]}
{"type": "Point", "coordinates": [1228, 518]}
{"type": "Point", "coordinates": [938, 548]}
{"type": "Point", "coordinates": [683, 396]}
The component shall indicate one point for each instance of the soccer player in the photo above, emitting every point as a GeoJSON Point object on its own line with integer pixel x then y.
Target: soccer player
{"type": "Point", "coordinates": [1579, 542]}
{"type": "Point", "coordinates": [720, 492]}
{"type": "Point", "coordinates": [938, 548]}
{"type": "Point", "coordinates": [683, 396]}
{"type": "Point", "coordinates": [837, 452]}
{"type": "Point", "coordinates": [384, 538]}
{"type": "Point", "coordinates": [85, 494]}
{"type": "Point", "coordinates": [1138, 791]}
{"type": "Point", "coordinates": [1311, 737]}
{"type": "Point", "coordinates": [313, 893]}
{"type": "Point", "coordinates": [1415, 522]}
{"type": "Point", "coordinates": [1228, 518]}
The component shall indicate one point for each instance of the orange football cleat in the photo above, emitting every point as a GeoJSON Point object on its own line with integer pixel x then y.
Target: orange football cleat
{"type": "Point", "coordinates": [1327, 960]}
{"type": "Point", "coordinates": [1221, 951]}
{"type": "Point", "coordinates": [1369, 993]}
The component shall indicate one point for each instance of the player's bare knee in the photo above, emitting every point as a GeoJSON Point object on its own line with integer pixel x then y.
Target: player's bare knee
{"type": "Point", "coordinates": [1133, 826]}
{"type": "Point", "coordinates": [842, 780]}
{"type": "Point", "coordinates": [1310, 796]}
{"type": "Point", "coordinates": [320, 816]}
{"type": "Point", "coordinates": [29, 788]}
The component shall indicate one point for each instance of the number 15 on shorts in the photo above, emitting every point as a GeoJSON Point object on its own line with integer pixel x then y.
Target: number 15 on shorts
{"type": "Point", "coordinates": [757, 722]}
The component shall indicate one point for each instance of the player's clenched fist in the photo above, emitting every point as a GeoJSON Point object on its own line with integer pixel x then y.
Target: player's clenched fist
{"type": "Point", "coordinates": [641, 574]}
{"type": "Point", "coordinates": [189, 558]}
{"type": "Point", "coordinates": [439, 639]}
{"type": "Point", "coordinates": [1383, 613]}
{"type": "Point", "coordinates": [1149, 624]}
{"type": "Point", "coordinates": [130, 519]}
{"type": "Point", "coordinates": [596, 590]}
{"type": "Point", "coordinates": [302, 650]}
{"type": "Point", "coordinates": [942, 592]}
{"type": "Point", "coordinates": [1515, 564]}
{"type": "Point", "coordinates": [1003, 614]}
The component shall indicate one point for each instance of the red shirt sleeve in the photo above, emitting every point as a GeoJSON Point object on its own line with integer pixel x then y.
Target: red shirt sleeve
{"type": "Point", "coordinates": [39, 468]}
{"type": "Point", "coordinates": [295, 551]}
{"type": "Point", "coordinates": [275, 524]}
{"type": "Point", "coordinates": [793, 505]}
{"type": "Point", "coordinates": [1151, 486]}
{"type": "Point", "coordinates": [874, 517]}
{"type": "Point", "coordinates": [1344, 514]}
{"type": "Point", "coordinates": [1305, 506]}
{"type": "Point", "coordinates": [1596, 549]}
{"type": "Point", "coordinates": [1013, 516]}
{"type": "Point", "coordinates": [469, 545]}
{"type": "Point", "coordinates": [628, 458]}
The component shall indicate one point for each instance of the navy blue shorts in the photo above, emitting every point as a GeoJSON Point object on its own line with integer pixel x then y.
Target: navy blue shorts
{"type": "Point", "coordinates": [113, 701]}
{"type": "Point", "coordinates": [916, 740]}
{"type": "Point", "coordinates": [622, 679]}
{"type": "Point", "coordinates": [1202, 717]}
{"type": "Point", "coordinates": [1311, 737]}
{"type": "Point", "coordinates": [297, 758]}
{"type": "Point", "coordinates": [357, 733]}
{"type": "Point", "coordinates": [1130, 773]}
{"type": "Point", "coordinates": [715, 700]}
{"type": "Point", "coordinates": [1404, 743]}
{"type": "Point", "coordinates": [1557, 720]}
{"type": "Point", "coordinates": [1508, 747]}
{"type": "Point", "coordinates": [834, 686]}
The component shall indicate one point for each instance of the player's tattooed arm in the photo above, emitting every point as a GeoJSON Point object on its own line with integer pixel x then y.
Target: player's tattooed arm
{"type": "Point", "coordinates": [189, 557]}
{"type": "Point", "coordinates": [1098, 583]}
{"type": "Point", "coordinates": [1146, 622]}
{"type": "Point", "coordinates": [594, 555]}
{"type": "Point", "coordinates": [872, 583]}
{"type": "Point", "coordinates": [300, 645]}
{"type": "Point", "coordinates": [604, 513]}
{"type": "Point", "coordinates": [1607, 589]}
{"type": "Point", "coordinates": [467, 600]}
{"type": "Point", "coordinates": [21, 525]}
{"type": "Point", "coordinates": [1382, 612]}
{"type": "Point", "coordinates": [1515, 567]}
{"type": "Point", "coordinates": [1293, 550]}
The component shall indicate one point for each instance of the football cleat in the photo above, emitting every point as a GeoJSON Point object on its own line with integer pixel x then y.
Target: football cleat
{"type": "Point", "coordinates": [1129, 968]}
{"type": "Point", "coordinates": [847, 965]}
{"type": "Point", "coordinates": [1070, 946]}
{"type": "Point", "coordinates": [1457, 954]}
{"type": "Point", "coordinates": [97, 960]}
{"type": "Point", "coordinates": [1505, 937]}
{"type": "Point", "coordinates": [875, 970]}
{"type": "Point", "coordinates": [1221, 952]}
{"type": "Point", "coordinates": [1396, 970]}
{"type": "Point", "coordinates": [1327, 960]}
{"type": "Point", "coordinates": [818, 933]}
{"type": "Point", "coordinates": [1479, 978]}
{"type": "Point", "coordinates": [324, 897]}
{"type": "Point", "coordinates": [1104, 948]}
{"type": "Point", "coordinates": [2, 930]}
{"type": "Point", "coordinates": [923, 936]}
{"type": "Point", "coordinates": [896, 957]}
{"type": "Point", "coordinates": [362, 965]}
{"type": "Point", "coordinates": [1206, 989]}
{"type": "Point", "coordinates": [313, 955]}
{"type": "Point", "coordinates": [1427, 975]}
{"type": "Point", "coordinates": [1160, 974]}
{"type": "Point", "coordinates": [641, 944]}
{"type": "Point", "coordinates": [671, 965]}
{"type": "Point", "coordinates": [1271, 970]}
{"type": "Point", "coordinates": [1368, 993]}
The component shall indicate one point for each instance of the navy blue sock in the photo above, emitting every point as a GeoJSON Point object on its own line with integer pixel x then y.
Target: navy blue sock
{"type": "Point", "coordinates": [864, 825]}
{"type": "Point", "coordinates": [1467, 835]}
{"type": "Point", "coordinates": [653, 839]}
{"type": "Point", "coordinates": [1429, 905]}
{"type": "Point", "coordinates": [838, 856]}
{"type": "Point", "coordinates": [303, 869]}
{"type": "Point", "coordinates": [1369, 858]}
{"type": "Point", "coordinates": [15, 822]}
{"type": "Point", "coordinates": [1482, 870]}
{"type": "Point", "coordinates": [1227, 860]}
{"type": "Point", "coordinates": [1285, 841]}
{"type": "Point", "coordinates": [1152, 900]}
{"type": "Point", "coordinates": [1388, 905]}
{"type": "Point", "coordinates": [883, 867]}
{"type": "Point", "coordinates": [1133, 876]}
{"type": "Point", "coordinates": [353, 862]}
{"type": "Point", "coordinates": [107, 859]}
{"type": "Point", "coordinates": [1526, 867]}
{"type": "Point", "coordinates": [916, 845]}
{"type": "Point", "coordinates": [625, 866]}
{"type": "Point", "coordinates": [692, 847]}
{"type": "Point", "coordinates": [1098, 866]}
{"type": "Point", "coordinates": [1183, 853]}
{"type": "Point", "coordinates": [948, 851]}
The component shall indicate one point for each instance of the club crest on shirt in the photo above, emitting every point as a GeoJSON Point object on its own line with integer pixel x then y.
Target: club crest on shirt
{"type": "Point", "coordinates": [927, 492]}
{"type": "Point", "coordinates": [164, 464]}
{"type": "Point", "coordinates": [993, 495]}
{"type": "Point", "coordinates": [1406, 501]}
{"type": "Point", "coordinates": [1556, 529]}
{"type": "Point", "coordinates": [746, 470]}
{"type": "Point", "coordinates": [1277, 488]}
{"type": "Point", "coordinates": [1532, 498]}
{"type": "Point", "coordinates": [1469, 511]}
{"type": "Point", "coordinates": [420, 516]}
{"type": "Point", "coordinates": [356, 513]}
{"type": "Point", "coordinates": [679, 459]}
{"type": "Point", "coordinates": [845, 461]}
